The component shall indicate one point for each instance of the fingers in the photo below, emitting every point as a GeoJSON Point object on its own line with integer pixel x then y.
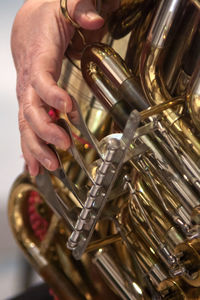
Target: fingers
{"type": "Point", "coordinates": [50, 93]}
{"type": "Point", "coordinates": [40, 122]}
{"type": "Point", "coordinates": [36, 151]}
{"type": "Point", "coordinates": [44, 74]}
{"type": "Point", "coordinates": [37, 129]}
{"type": "Point", "coordinates": [31, 162]}
{"type": "Point", "coordinates": [85, 14]}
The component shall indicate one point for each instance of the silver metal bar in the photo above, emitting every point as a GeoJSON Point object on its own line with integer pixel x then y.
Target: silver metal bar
{"type": "Point", "coordinates": [76, 154]}
{"type": "Point", "coordinates": [45, 186]}
{"type": "Point", "coordinates": [75, 117]}
{"type": "Point", "coordinates": [110, 270]}
{"type": "Point", "coordinates": [60, 174]}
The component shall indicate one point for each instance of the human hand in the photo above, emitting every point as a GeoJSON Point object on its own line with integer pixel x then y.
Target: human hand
{"type": "Point", "coordinates": [40, 36]}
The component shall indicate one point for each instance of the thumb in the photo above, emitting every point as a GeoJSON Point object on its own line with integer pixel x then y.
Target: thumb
{"type": "Point", "coordinates": [84, 13]}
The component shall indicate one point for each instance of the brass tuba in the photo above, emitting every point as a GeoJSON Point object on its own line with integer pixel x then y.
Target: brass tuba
{"type": "Point", "coordinates": [120, 217]}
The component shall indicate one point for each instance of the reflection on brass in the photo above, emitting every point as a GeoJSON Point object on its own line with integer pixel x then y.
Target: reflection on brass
{"type": "Point", "coordinates": [157, 109]}
{"type": "Point", "coordinates": [63, 6]}
{"type": "Point", "coordinates": [146, 239]}
{"type": "Point", "coordinates": [193, 97]}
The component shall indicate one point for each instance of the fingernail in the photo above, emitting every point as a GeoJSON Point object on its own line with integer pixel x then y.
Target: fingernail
{"type": "Point", "coordinates": [93, 15]}
{"type": "Point", "coordinates": [63, 146]}
{"type": "Point", "coordinates": [47, 163]}
{"type": "Point", "coordinates": [62, 106]}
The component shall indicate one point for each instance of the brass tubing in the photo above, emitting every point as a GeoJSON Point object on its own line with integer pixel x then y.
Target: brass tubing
{"type": "Point", "coordinates": [176, 289]}
{"type": "Point", "coordinates": [101, 243]}
{"type": "Point", "coordinates": [191, 260]}
{"type": "Point", "coordinates": [163, 229]}
{"type": "Point", "coordinates": [150, 67]}
{"type": "Point", "coordinates": [139, 251]}
{"type": "Point", "coordinates": [138, 37]}
{"type": "Point", "coordinates": [100, 61]}
{"type": "Point", "coordinates": [180, 46]}
{"type": "Point", "coordinates": [159, 108]}
{"type": "Point", "coordinates": [169, 175]}
{"type": "Point", "coordinates": [127, 17]}
{"type": "Point", "coordinates": [106, 90]}
{"type": "Point", "coordinates": [115, 275]}
{"type": "Point", "coordinates": [62, 286]}
{"type": "Point", "coordinates": [193, 97]}
{"type": "Point", "coordinates": [107, 60]}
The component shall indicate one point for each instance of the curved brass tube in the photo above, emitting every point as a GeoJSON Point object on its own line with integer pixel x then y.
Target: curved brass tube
{"type": "Point", "coordinates": [158, 232]}
{"type": "Point", "coordinates": [138, 39]}
{"type": "Point", "coordinates": [170, 288]}
{"type": "Point", "coordinates": [191, 258]}
{"type": "Point", "coordinates": [136, 247]}
{"type": "Point", "coordinates": [193, 97]}
{"type": "Point", "coordinates": [150, 69]}
{"type": "Point", "coordinates": [61, 285]}
{"type": "Point", "coordinates": [127, 17]}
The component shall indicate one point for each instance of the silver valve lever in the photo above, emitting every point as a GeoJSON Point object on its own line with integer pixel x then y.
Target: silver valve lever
{"type": "Point", "coordinates": [76, 154]}
{"type": "Point", "coordinates": [76, 119]}
{"type": "Point", "coordinates": [45, 186]}
{"type": "Point", "coordinates": [60, 174]}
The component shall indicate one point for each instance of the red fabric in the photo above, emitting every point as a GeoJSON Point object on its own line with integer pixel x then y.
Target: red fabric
{"type": "Point", "coordinates": [38, 224]}
{"type": "Point", "coordinates": [54, 114]}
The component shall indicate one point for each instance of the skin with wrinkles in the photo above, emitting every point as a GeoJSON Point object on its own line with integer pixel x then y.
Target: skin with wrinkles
{"type": "Point", "coordinates": [40, 37]}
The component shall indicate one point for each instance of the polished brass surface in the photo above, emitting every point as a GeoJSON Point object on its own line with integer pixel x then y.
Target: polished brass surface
{"type": "Point", "coordinates": [151, 67]}
{"type": "Point", "coordinates": [146, 242]}
{"type": "Point", "coordinates": [18, 218]}
{"type": "Point", "coordinates": [193, 98]}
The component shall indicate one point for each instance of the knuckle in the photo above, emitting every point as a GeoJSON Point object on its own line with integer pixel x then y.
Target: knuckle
{"type": "Point", "coordinates": [22, 125]}
{"type": "Point", "coordinates": [37, 153]}
{"type": "Point", "coordinates": [27, 110]}
{"type": "Point", "coordinates": [34, 78]}
{"type": "Point", "coordinates": [46, 91]}
{"type": "Point", "coordinates": [35, 71]}
{"type": "Point", "coordinates": [44, 134]}
{"type": "Point", "coordinates": [51, 95]}
{"type": "Point", "coordinates": [34, 150]}
{"type": "Point", "coordinates": [50, 134]}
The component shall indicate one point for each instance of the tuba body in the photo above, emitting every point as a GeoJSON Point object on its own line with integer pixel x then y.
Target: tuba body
{"type": "Point", "coordinates": [120, 217]}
